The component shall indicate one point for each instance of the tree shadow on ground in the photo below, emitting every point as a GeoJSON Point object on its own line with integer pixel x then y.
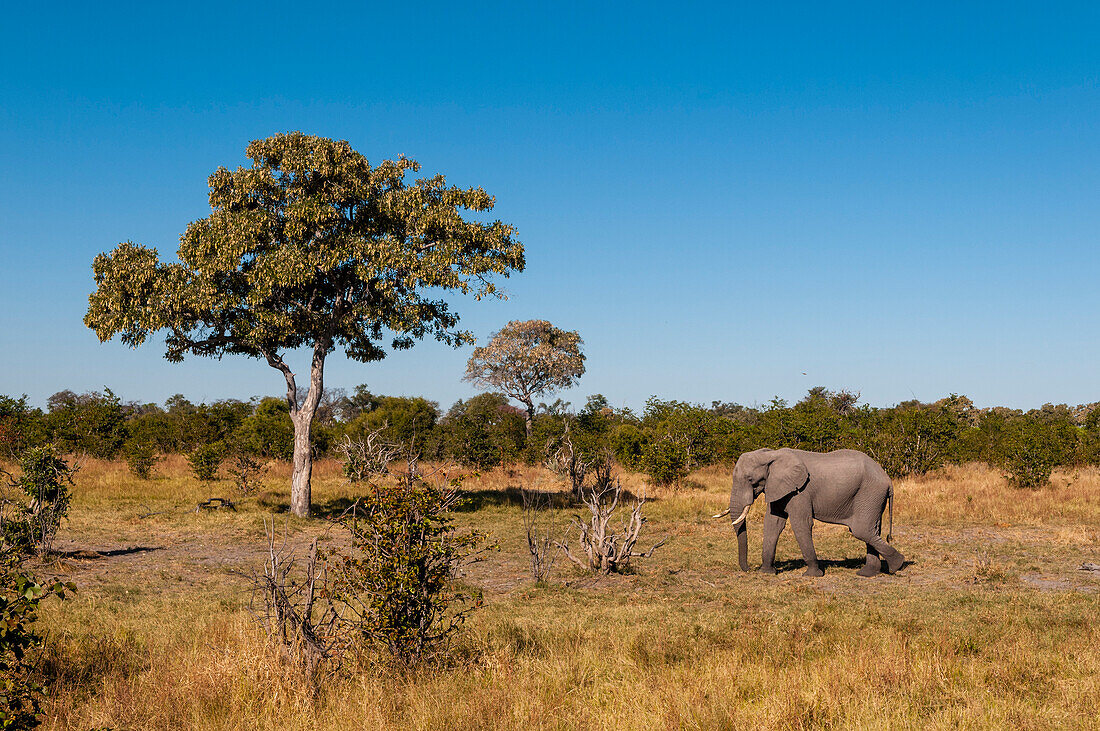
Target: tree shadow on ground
{"type": "Point", "coordinates": [471, 502]}
{"type": "Point", "coordinates": [474, 500]}
{"type": "Point", "coordinates": [84, 553]}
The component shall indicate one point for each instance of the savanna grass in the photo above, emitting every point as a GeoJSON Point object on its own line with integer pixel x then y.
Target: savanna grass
{"type": "Point", "coordinates": [959, 639]}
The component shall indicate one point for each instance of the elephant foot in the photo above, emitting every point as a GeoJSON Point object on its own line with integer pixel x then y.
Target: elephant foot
{"type": "Point", "coordinates": [814, 572]}
{"type": "Point", "coordinates": [895, 562]}
{"type": "Point", "coordinates": [869, 571]}
{"type": "Point", "coordinates": [767, 570]}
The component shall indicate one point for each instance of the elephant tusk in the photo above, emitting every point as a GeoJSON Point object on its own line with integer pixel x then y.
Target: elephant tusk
{"type": "Point", "coordinates": [744, 514]}
{"type": "Point", "coordinates": [722, 514]}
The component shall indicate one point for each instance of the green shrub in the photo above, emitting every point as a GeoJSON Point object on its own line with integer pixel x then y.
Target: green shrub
{"type": "Point", "coordinates": [679, 437]}
{"type": "Point", "coordinates": [408, 422]}
{"type": "Point", "coordinates": [206, 460]}
{"type": "Point", "coordinates": [911, 439]}
{"type": "Point", "coordinates": [1032, 445]}
{"type": "Point", "coordinates": [268, 432]}
{"type": "Point", "coordinates": [45, 482]}
{"type": "Point", "coordinates": [484, 431]}
{"type": "Point", "coordinates": [94, 423]}
{"type": "Point", "coordinates": [20, 594]}
{"type": "Point", "coordinates": [141, 456]}
{"type": "Point", "coordinates": [1090, 438]}
{"type": "Point", "coordinates": [20, 427]}
{"type": "Point", "coordinates": [397, 586]}
{"type": "Point", "coordinates": [628, 445]}
{"type": "Point", "coordinates": [665, 462]}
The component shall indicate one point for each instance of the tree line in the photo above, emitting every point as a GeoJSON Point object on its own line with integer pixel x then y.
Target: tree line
{"type": "Point", "coordinates": [666, 440]}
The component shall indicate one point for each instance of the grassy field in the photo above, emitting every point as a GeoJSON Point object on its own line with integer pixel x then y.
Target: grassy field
{"type": "Point", "coordinates": [990, 625]}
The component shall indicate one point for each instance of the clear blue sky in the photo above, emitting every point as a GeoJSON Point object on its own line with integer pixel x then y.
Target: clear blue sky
{"type": "Point", "coordinates": [728, 203]}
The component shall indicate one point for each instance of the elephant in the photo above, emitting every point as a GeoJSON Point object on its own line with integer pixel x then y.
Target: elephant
{"type": "Point", "coordinates": [843, 487]}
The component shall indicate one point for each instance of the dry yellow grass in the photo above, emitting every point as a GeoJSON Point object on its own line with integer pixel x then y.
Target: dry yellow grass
{"type": "Point", "coordinates": [991, 626]}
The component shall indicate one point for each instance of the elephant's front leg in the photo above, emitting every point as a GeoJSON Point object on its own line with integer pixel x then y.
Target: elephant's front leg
{"type": "Point", "coordinates": [773, 526]}
{"type": "Point", "coordinates": [802, 523]}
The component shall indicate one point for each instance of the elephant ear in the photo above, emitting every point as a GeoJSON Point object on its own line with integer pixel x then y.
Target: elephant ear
{"type": "Point", "coordinates": [787, 474]}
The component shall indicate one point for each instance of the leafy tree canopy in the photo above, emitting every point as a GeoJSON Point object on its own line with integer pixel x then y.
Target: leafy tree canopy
{"type": "Point", "coordinates": [527, 359]}
{"type": "Point", "coordinates": [309, 245]}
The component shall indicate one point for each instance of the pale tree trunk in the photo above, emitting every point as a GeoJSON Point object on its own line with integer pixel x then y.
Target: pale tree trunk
{"type": "Point", "coordinates": [301, 493]}
{"type": "Point", "coordinates": [301, 497]}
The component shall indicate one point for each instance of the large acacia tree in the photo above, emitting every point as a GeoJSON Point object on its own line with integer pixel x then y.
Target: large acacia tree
{"type": "Point", "coordinates": [309, 247]}
{"type": "Point", "coordinates": [527, 359]}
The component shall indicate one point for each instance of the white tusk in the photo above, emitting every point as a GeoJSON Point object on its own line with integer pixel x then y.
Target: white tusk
{"type": "Point", "coordinates": [723, 513]}
{"type": "Point", "coordinates": [741, 517]}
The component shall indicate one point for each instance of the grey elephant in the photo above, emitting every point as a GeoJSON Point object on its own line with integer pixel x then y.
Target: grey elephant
{"type": "Point", "coordinates": [844, 487]}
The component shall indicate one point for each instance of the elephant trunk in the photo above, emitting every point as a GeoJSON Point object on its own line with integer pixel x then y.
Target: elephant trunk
{"type": "Point", "coordinates": [743, 545]}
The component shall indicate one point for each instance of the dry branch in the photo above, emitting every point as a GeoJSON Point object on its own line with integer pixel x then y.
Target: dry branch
{"type": "Point", "coordinates": [604, 549]}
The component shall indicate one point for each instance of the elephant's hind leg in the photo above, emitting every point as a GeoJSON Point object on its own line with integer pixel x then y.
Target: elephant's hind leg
{"type": "Point", "coordinates": [870, 536]}
{"type": "Point", "coordinates": [873, 566]}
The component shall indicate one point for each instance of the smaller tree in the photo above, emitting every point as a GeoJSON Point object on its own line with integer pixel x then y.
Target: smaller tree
{"type": "Point", "coordinates": [45, 483]}
{"type": "Point", "coordinates": [206, 460]}
{"type": "Point", "coordinates": [526, 360]}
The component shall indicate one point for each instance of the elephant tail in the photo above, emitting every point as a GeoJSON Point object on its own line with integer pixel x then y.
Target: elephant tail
{"type": "Point", "coordinates": [890, 502]}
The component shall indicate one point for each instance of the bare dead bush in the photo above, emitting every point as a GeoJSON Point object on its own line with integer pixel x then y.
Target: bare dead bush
{"type": "Point", "coordinates": [573, 462]}
{"type": "Point", "coordinates": [293, 608]}
{"type": "Point", "coordinates": [539, 527]}
{"type": "Point", "coordinates": [603, 548]}
{"type": "Point", "coordinates": [367, 456]}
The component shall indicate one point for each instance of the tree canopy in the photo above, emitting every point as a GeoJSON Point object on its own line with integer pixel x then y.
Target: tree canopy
{"type": "Point", "coordinates": [528, 359]}
{"type": "Point", "coordinates": [310, 246]}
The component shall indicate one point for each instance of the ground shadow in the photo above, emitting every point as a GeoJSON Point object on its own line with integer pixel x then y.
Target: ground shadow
{"type": "Point", "coordinates": [796, 564]}
{"type": "Point", "coordinates": [329, 509]}
{"type": "Point", "coordinates": [474, 500]}
{"type": "Point", "coordinates": [84, 553]}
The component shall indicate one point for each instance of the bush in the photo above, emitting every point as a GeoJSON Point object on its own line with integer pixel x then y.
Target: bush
{"type": "Point", "coordinates": [206, 460]}
{"type": "Point", "coordinates": [408, 422]}
{"type": "Point", "coordinates": [268, 432]}
{"type": "Point", "coordinates": [367, 456]}
{"type": "Point", "coordinates": [1090, 438]}
{"type": "Point", "coordinates": [141, 456]}
{"type": "Point", "coordinates": [1032, 445]}
{"type": "Point", "coordinates": [679, 437]}
{"type": "Point", "coordinates": [396, 587]}
{"type": "Point", "coordinates": [912, 439]}
{"type": "Point", "coordinates": [246, 473]}
{"type": "Point", "coordinates": [20, 594]}
{"type": "Point", "coordinates": [89, 422]}
{"type": "Point", "coordinates": [45, 481]}
{"type": "Point", "coordinates": [484, 431]}
{"type": "Point", "coordinates": [628, 445]}
{"type": "Point", "coordinates": [21, 427]}
{"type": "Point", "coordinates": [602, 548]}
{"type": "Point", "coordinates": [665, 462]}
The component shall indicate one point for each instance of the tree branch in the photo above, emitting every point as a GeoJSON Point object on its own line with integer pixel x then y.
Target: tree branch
{"type": "Point", "coordinates": [276, 362]}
